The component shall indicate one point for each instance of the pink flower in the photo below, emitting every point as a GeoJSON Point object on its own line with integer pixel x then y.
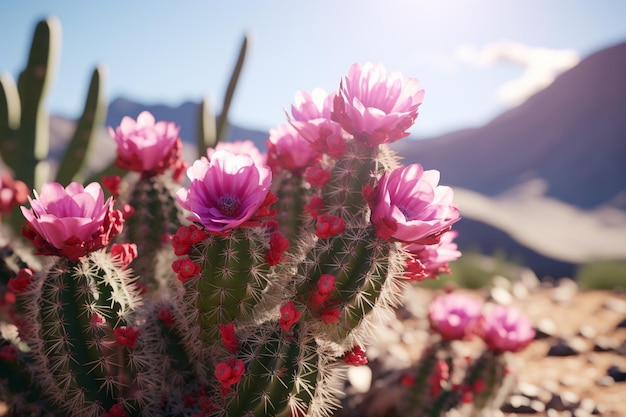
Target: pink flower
{"type": "Point", "coordinates": [429, 261]}
{"type": "Point", "coordinates": [229, 372]}
{"type": "Point", "coordinates": [12, 193]}
{"type": "Point", "coordinates": [146, 146]}
{"type": "Point", "coordinates": [287, 149]}
{"type": "Point", "coordinates": [126, 336]}
{"type": "Point", "coordinates": [185, 269]}
{"type": "Point", "coordinates": [316, 175]}
{"type": "Point", "coordinates": [116, 410]}
{"type": "Point", "coordinates": [278, 245]}
{"type": "Point", "coordinates": [505, 329]}
{"type": "Point", "coordinates": [312, 119]}
{"type": "Point", "coordinates": [71, 221]}
{"type": "Point", "coordinates": [165, 315]}
{"type": "Point", "coordinates": [409, 206]}
{"type": "Point", "coordinates": [21, 281]}
{"type": "Point", "coordinates": [356, 356]}
{"type": "Point", "coordinates": [229, 337]}
{"type": "Point", "coordinates": [328, 226]}
{"type": "Point", "coordinates": [126, 252]}
{"type": "Point", "coordinates": [289, 315]}
{"type": "Point", "coordinates": [454, 315]}
{"type": "Point", "coordinates": [375, 106]}
{"type": "Point", "coordinates": [225, 191]}
{"type": "Point", "coordinates": [240, 147]}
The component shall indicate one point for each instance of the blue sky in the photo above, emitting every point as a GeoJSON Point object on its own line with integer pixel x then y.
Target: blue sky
{"type": "Point", "coordinates": [474, 58]}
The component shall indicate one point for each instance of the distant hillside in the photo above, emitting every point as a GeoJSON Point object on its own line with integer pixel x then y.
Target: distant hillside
{"type": "Point", "coordinates": [545, 182]}
{"type": "Point", "coordinates": [185, 115]}
{"type": "Point", "coordinates": [572, 135]}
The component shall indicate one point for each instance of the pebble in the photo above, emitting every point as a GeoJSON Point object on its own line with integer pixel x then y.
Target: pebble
{"type": "Point", "coordinates": [618, 374]}
{"type": "Point", "coordinates": [566, 400]}
{"type": "Point", "coordinates": [565, 347]}
{"type": "Point", "coordinates": [615, 304]}
{"type": "Point", "coordinates": [360, 377]}
{"type": "Point", "coordinates": [565, 290]}
{"type": "Point", "coordinates": [605, 344]}
{"type": "Point", "coordinates": [545, 327]}
{"type": "Point", "coordinates": [605, 381]}
{"type": "Point", "coordinates": [501, 296]}
{"type": "Point", "coordinates": [587, 331]}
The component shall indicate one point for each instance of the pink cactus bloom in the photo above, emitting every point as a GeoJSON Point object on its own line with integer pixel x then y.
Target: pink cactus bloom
{"type": "Point", "coordinates": [375, 106]}
{"type": "Point", "coordinates": [146, 146]}
{"type": "Point", "coordinates": [311, 117]}
{"type": "Point", "coordinates": [225, 191]}
{"type": "Point", "coordinates": [71, 221]}
{"type": "Point", "coordinates": [429, 261]}
{"type": "Point", "coordinates": [505, 329]}
{"type": "Point", "coordinates": [288, 150]}
{"type": "Point", "coordinates": [239, 147]}
{"type": "Point", "coordinates": [409, 206]}
{"type": "Point", "coordinates": [454, 315]}
{"type": "Point", "coordinates": [12, 193]}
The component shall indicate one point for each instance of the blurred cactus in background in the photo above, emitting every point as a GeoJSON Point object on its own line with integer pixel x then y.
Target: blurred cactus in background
{"type": "Point", "coordinates": [248, 290]}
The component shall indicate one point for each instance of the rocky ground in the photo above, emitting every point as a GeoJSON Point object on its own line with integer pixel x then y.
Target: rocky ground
{"type": "Point", "coordinates": [576, 367]}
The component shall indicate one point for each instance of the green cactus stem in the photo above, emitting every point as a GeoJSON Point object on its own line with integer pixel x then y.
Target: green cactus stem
{"type": "Point", "coordinates": [292, 196]}
{"type": "Point", "coordinates": [207, 131]}
{"type": "Point", "coordinates": [157, 216]}
{"type": "Point", "coordinates": [233, 275]}
{"type": "Point", "coordinates": [222, 121]}
{"type": "Point", "coordinates": [364, 266]}
{"type": "Point", "coordinates": [10, 115]}
{"type": "Point", "coordinates": [281, 372]}
{"type": "Point", "coordinates": [78, 150]}
{"type": "Point", "coordinates": [32, 85]}
{"type": "Point", "coordinates": [69, 319]}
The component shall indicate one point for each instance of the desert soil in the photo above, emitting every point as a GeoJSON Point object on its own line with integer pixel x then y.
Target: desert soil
{"type": "Point", "coordinates": [575, 367]}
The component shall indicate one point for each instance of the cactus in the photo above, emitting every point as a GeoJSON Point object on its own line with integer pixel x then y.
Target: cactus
{"type": "Point", "coordinates": [78, 151]}
{"type": "Point", "coordinates": [246, 292]}
{"type": "Point", "coordinates": [24, 120]}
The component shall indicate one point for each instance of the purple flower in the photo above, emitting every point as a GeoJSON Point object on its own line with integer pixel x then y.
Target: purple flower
{"type": "Point", "coordinates": [71, 221]}
{"type": "Point", "coordinates": [375, 106]}
{"type": "Point", "coordinates": [505, 329]}
{"type": "Point", "coordinates": [225, 191]}
{"type": "Point", "coordinates": [454, 315]}
{"type": "Point", "coordinates": [408, 205]}
{"type": "Point", "coordinates": [146, 146]}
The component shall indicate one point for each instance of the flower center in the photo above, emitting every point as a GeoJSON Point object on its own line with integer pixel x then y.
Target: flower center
{"type": "Point", "coordinates": [229, 205]}
{"type": "Point", "coordinates": [407, 214]}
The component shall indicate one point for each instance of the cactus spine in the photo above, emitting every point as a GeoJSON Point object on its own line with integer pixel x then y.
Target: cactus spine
{"type": "Point", "coordinates": [70, 316]}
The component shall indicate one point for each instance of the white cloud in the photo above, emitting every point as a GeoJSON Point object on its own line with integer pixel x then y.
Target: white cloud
{"type": "Point", "coordinates": [541, 66]}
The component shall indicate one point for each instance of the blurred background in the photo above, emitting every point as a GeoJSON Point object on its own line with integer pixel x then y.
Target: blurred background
{"type": "Point", "coordinates": [524, 113]}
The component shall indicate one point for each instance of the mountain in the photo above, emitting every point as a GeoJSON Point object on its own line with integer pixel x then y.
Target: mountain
{"type": "Point", "coordinates": [545, 182]}
{"type": "Point", "coordinates": [572, 135]}
{"type": "Point", "coordinates": [185, 115]}
{"type": "Point", "coordinates": [554, 169]}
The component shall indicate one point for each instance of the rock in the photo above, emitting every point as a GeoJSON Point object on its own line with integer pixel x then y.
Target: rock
{"type": "Point", "coordinates": [565, 290]}
{"type": "Point", "coordinates": [501, 296]}
{"type": "Point", "coordinates": [545, 327]}
{"type": "Point", "coordinates": [567, 400]}
{"type": "Point", "coordinates": [605, 344]}
{"type": "Point", "coordinates": [605, 381]}
{"type": "Point", "coordinates": [615, 304]}
{"type": "Point", "coordinates": [522, 404]}
{"type": "Point", "coordinates": [360, 377]}
{"type": "Point", "coordinates": [587, 331]}
{"type": "Point", "coordinates": [618, 374]}
{"type": "Point", "coordinates": [565, 347]}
